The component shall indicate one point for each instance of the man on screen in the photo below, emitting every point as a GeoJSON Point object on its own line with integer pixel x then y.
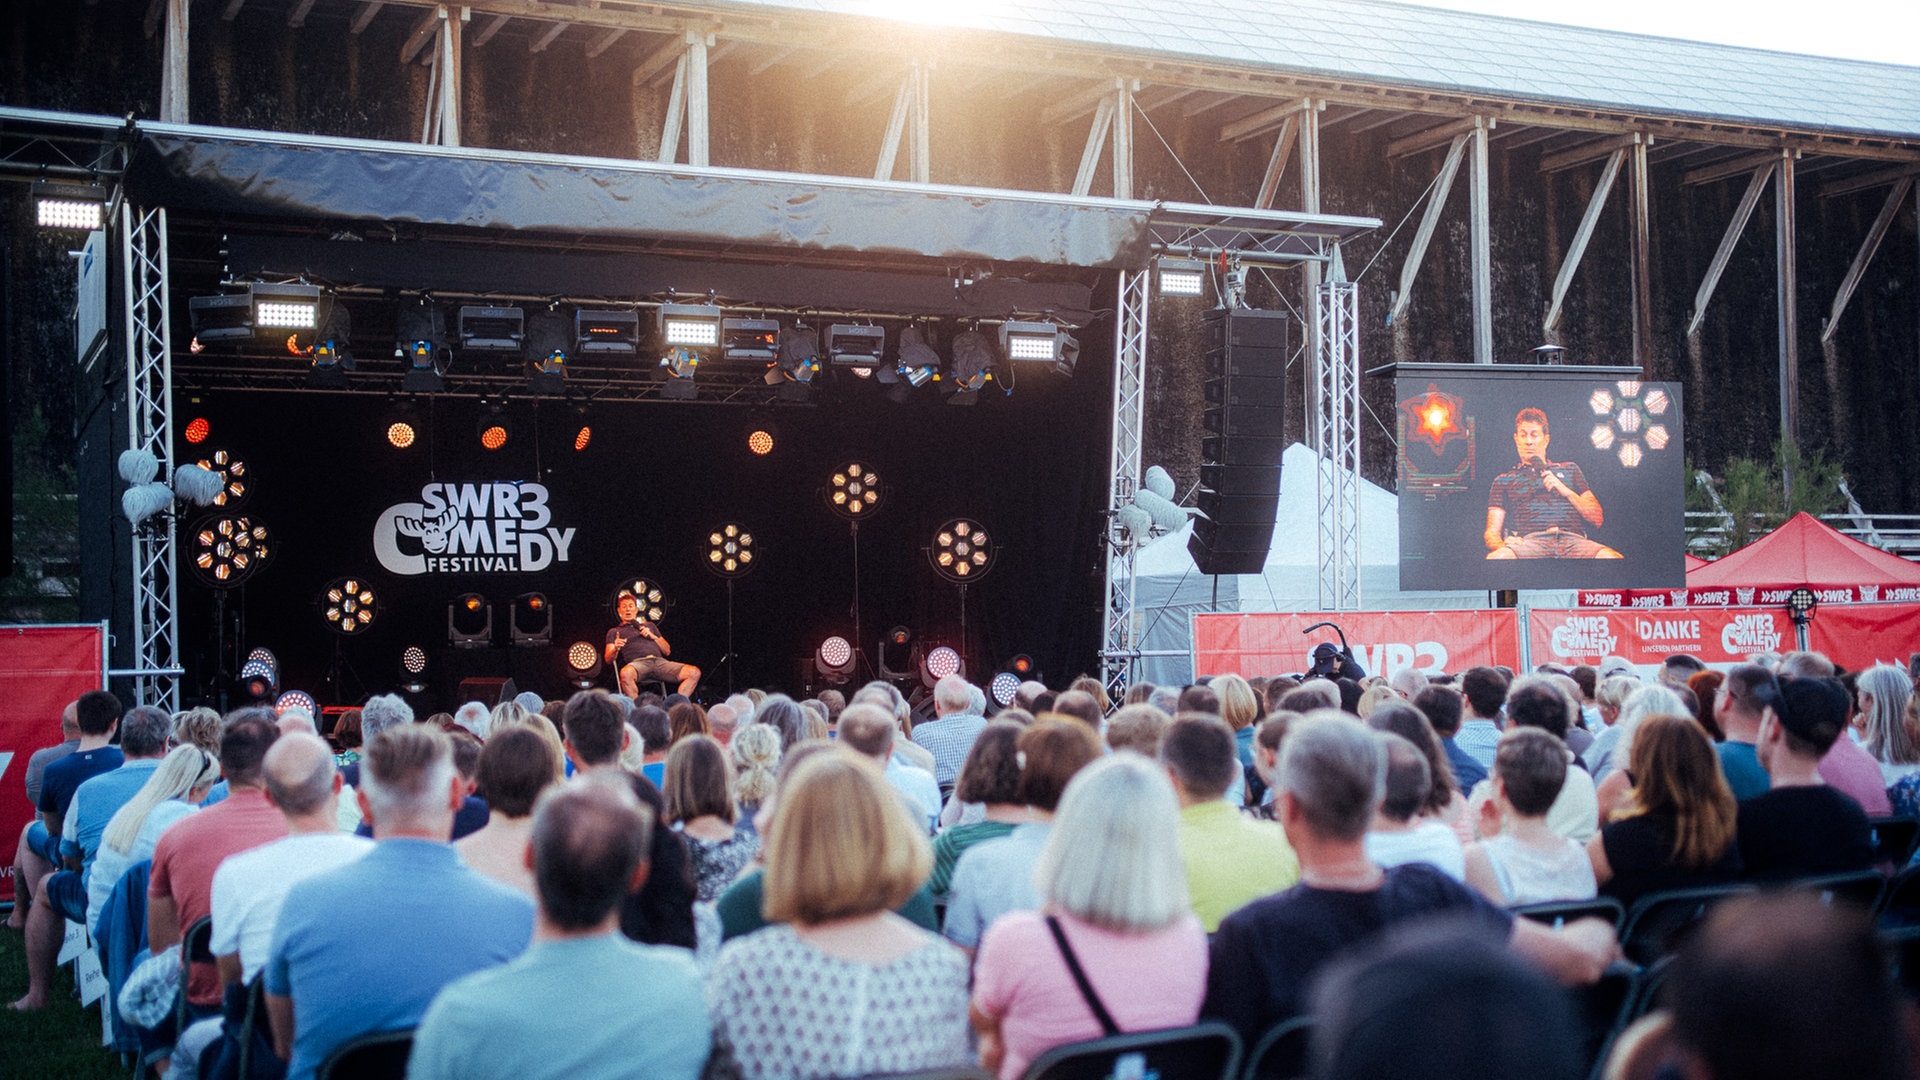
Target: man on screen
{"type": "Point", "coordinates": [1542, 509]}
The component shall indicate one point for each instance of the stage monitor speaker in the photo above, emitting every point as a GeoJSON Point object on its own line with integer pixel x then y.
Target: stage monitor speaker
{"type": "Point", "coordinates": [485, 689]}
{"type": "Point", "coordinates": [1246, 359]}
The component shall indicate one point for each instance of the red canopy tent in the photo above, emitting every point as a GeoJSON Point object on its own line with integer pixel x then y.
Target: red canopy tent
{"type": "Point", "coordinates": [1807, 551]}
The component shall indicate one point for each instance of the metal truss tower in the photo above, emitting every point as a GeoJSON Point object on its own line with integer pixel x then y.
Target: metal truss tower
{"type": "Point", "coordinates": [1120, 644]}
{"type": "Point", "coordinates": [156, 634]}
{"type": "Point", "coordinates": [1336, 420]}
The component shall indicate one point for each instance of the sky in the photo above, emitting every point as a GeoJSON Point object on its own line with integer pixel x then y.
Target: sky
{"type": "Point", "coordinates": [1883, 30]}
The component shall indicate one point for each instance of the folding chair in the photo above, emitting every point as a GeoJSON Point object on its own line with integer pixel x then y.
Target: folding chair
{"type": "Point", "coordinates": [1658, 922]}
{"type": "Point", "coordinates": [1606, 1008]}
{"type": "Point", "coordinates": [1208, 1051]}
{"type": "Point", "coordinates": [1281, 1054]}
{"type": "Point", "coordinates": [1558, 913]}
{"type": "Point", "coordinates": [380, 1056]}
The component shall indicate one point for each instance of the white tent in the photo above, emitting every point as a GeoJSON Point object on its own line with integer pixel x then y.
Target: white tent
{"type": "Point", "coordinates": [1170, 588]}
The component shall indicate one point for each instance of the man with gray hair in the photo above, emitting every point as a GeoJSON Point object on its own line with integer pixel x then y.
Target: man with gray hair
{"type": "Point", "coordinates": [473, 716]}
{"type": "Point", "coordinates": [950, 734]}
{"type": "Point", "coordinates": [867, 728]}
{"type": "Point", "coordinates": [1332, 778]}
{"type": "Point", "coordinates": [425, 918]}
{"type": "Point", "coordinates": [722, 722]}
{"type": "Point", "coordinates": [588, 853]}
{"type": "Point", "coordinates": [249, 888]}
{"type": "Point", "coordinates": [377, 715]}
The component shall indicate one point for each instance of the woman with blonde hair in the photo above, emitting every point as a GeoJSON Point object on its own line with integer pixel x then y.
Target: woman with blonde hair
{"type": "Point", "coordinates": [755, 750]}
{"type": "Point", "coordinates": [197, 727]}
{"type": "Point", "coordinates": [686, 718]}
{"type": "Point", "coordinates": [173, 791]}
{"type": "Point", "coordinates": [845, 987]}
{"type": "Point", "coordinates": [507, 712]}
{"type": "Point", "coordinates": [1374, 697]}
{"type": "Point", "coordinates": [1241, 710]}
{"type": "Point", "coordinates": [1612, 784]}
{"type": "Point", "coordinates": [699, 795]}
{"type": "Point", "coordinates": [1884, 691]}
{"type": "Point", "coordinates": [1115, 908]}
{"type": "Point", "coordinates": [1677, 831]}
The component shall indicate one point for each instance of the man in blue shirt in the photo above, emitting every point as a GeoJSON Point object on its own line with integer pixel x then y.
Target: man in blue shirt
{"type": "Point", "coordinates": [868, 730]}
{"type": "Point", "coordinates": [1749, 695]}
{"type": "Point", "coordinates": [1441, 706]}
{"type": "Point", "coordinates": [365, 948]}
{"type": "Point", "coordinates": [588, 851]}
{"type": "Point", "coordinates": [950, 734]}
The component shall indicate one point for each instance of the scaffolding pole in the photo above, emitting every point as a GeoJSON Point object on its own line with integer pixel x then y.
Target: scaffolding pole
{"type": "Point", "coordinates": [1120, 648]}
{"type": "Point", "coordinates": [156, 634]}
{"type": "Point", "coordinates": [1336, 418]}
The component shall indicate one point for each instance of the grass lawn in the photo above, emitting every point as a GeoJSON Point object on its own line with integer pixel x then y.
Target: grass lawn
{"type": "Point", "coordinates": [61, 1042]}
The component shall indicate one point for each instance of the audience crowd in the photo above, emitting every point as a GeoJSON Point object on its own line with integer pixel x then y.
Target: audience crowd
{"type": "Point", "coordinates": [878, 884]}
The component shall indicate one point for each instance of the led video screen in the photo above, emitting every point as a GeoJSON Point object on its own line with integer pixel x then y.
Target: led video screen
{"type": "Point", "coordinates": [1516, 477]}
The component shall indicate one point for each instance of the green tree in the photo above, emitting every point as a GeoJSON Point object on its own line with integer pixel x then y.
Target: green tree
{"type": "Point", "coordinates": [1756, 499]}
{"type": "Point", "coordinates": [45, 583]}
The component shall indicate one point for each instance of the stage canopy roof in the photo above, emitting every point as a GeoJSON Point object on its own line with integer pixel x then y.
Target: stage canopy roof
{"type": "Point", "coordinates": [1806, 551]}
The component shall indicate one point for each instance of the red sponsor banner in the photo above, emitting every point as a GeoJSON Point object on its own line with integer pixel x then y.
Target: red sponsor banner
{"type": "Point", "coordinates": [42, 668]}
{"type": "Point", "coordinates": [1728, 597]}
{"type": "Point", "coordinates": [1715, 635]}
{"type": "Point", "coordinates": [1859, 636]}
{"type": "Point", "coordinates": [1384, 642]}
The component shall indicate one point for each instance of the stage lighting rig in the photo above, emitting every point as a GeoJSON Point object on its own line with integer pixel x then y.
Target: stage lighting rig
{"type": "Point", "coordinates": [229, 550]}
{"type": "Point", "coordinates": [530, 624]}
{"type": "Point", "coordinates": [606, 333]}
{"type": "Point", "coordinates": [834, 660]}
{"type": "Point", "coordinates": [400, 435]}
{"type": "Point", "coordinates": [973, 362]}
{"type": "Point", "coordinates": [348, 605]}
{"type": "Point", "coordinates": [413, 669]}
{"type": "Point", "coordinates": [75, 207]}
{"type": "Point", "coordinates": [938, 663]}
{"type": "Point", "coordinates": [653, 603]}
{"type": "Point", "coordinates": [420, 333]}
{"type": "Point", "coordinates": [197, 430]}
{"type": "Point", "coordinates": [235, 484]}
{"type": "Point", "coordinates": [469, 622]}
{"type": "Point", "coordinates": [583, 665]}
{"type": "Point", "coordinates": [285, 307]}
{"type": "Point", "coordinates": [493, 427]}
{"type": "Point", "coordinates": [856, 347]}
{"type": "Point", "coordinates": [915, 361]}
{"type": "Point", "coordinates": [1005, 685]}
{"type": "Point", "coordinates": [332, 350]}
{"type": "Point", "coordinates": [760, 441]}
{"type": "Point", "coordinates": [296, 699]}
{"type": "Point", "coordinates": [1180, 276]}
{"type": "Point", "coordinates": [961, 551]}
{"type": "Point", "coordinates": [750, 340]}
{"type": "Point", "coordinates": [853, 491]}
{"type": "Point", "coordinates": [492, 329]}
{"type": "Point", "coordinates": [730, 551]}
{"type": "Point", "coordinates": [548, 339]}
{"type": "Point", "coordinates": [690, 326]}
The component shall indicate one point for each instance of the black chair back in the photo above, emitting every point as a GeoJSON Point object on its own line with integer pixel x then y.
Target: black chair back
{"type": "Point", "coordinates": [1903, 955]}
{"type": "Point", "coordinates": [1605, 1008]}
{"type": "Point", "coordinates": [1895, 839]}
{"type": "Point", "coordinates": [1862, 888]}
{"type": "Point", "coordinates": [195, 948]}
{"type": "Point", "coordinates": [1281, 1054]}
{"type": "Point", "coordinates": [1207, 1051]}
{"type": "Point", "coordinates": [380, 1056]}
{"type": "Point", "coordinates": [1900, 903]}
{"type": "Point", "coordinates": [1558, 913]}
{"type": "Point", "coordinates": [1658, 922]}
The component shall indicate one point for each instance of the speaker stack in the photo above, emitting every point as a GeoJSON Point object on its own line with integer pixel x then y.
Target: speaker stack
{"type": "Point", "coordinates": [1245, 419]}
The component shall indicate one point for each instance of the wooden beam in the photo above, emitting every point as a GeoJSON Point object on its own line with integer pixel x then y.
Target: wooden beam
{"type": "Point", "coordinates": [1586, 153]}
{"type": "Point", "coordinates": [697, 101]}
{"type": "Point", "coordinates": [365, 16]}
{"type": "Point", "coordinates": [920, 142]}
{"type": "Point", "coordinates": [1480, 244]}
{"type": "Point", "coordinates": [1209, 101]}
{"type": "Point", "coordinates": [1442, 186]}
{"type": "Point", "coordinates": [1738, 165]}
{"type": "Point", "coordinates": [676, 109]}
{"type": "Point", "coordinates": [552, 33]}
{"type": "Point", "coordinates": [896, 127]}
{"type": "Point", "coordinates": [606, 42]}
{"type": "Point", "coordinates": [1755, 185]}
{"type": "Point", "coordinates": [773, 56]}
{"type": "Point", "coordinates": [1640, 251]}
{"type": "Point", "coordinates": [173, 66]}
{"type": "Point", "coordinates": [1276, 164]}
{"type": "Point", "coordinates": [1248, 126]}
{"type": "Point", "coordinates": [1096, 139]}
{"type": "Point", "coordinates": [1123, 89]}
{"type": "Point", "coordinates": [1075, 105]}
{"type": "Point", "coordinates": [423, 32]}
{"type": "Point", "coordinates": [1597, 202]}
{"type": "Point", "coordinates": [1861, 258]}
{"type": "Point", "coordinates": [1436, 136]}
{"type": "Point", "coordinates": [1786, 281]}
{"type": "Point", "coordinates": [1868, 181]}
{"type": "Point", "coordinates": [494, 26]}
{"type": "Point", "coordinates": [1344, 115]}
{"type": "Point", "coordinates": [1529, 136]}
{"type": "Point", "coordinates": [297, 18]}
{"type": "Point", "coordinates": [1385, 118]}
{"type": "Point", "coordinates": [659, 64]}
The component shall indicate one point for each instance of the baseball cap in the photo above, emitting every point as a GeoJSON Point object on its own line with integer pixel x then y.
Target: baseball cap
{"type": "Point", "coordinates": [1325, 649]}
{"type": "Point", "coordinates": [1815, 709]}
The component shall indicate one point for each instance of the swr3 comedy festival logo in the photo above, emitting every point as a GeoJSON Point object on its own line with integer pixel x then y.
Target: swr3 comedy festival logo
{"type": "Point", "coordinates": [471, 528]}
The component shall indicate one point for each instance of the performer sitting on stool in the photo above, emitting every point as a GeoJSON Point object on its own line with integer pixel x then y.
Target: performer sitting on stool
{"type": "Point", "coordinates": [636, 649]}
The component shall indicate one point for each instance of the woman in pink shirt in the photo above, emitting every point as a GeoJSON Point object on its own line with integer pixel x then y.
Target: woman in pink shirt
{"type": "Point", "coordinates": [1116, 906]}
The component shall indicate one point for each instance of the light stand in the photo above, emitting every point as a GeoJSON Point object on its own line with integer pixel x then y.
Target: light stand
{"type": "Point", "coordinates": [1800, 605]}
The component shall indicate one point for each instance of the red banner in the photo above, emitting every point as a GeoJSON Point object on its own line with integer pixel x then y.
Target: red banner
{"type": "Point", "coordinates": [42, 668]}
{"type": "Point", "coordinates": [1384, 642]}
{"type": "Point", "coordinates": [1726, 597]}
{"type": "Point", "coordinates": [1858, 636]}
{"type": "Point", "coordinates": [1715, 635]}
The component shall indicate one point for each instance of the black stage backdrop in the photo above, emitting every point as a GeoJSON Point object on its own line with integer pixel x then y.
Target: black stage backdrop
{"type": "Point", "coordinates": [641, 499]}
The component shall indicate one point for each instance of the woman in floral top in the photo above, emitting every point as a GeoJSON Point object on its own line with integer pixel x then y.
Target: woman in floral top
{"type": "Point", "coordinates": [699, 796]}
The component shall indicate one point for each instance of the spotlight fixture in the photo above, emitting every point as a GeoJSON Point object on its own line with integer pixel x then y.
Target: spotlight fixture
{"type": "Point", "coordinates": [1005, 685]}
{"type": "Point", "coordinates": [856, 347]}
{"type": "Point", "coordinates": [938, 663]}
{"type": "Point", "coordinates": [652, 601]}
{"type": "Point", "coordinates": [760, 442]}
{"type": "Point", "coordinates": [197, 430]}
{"type": "Point", "coordinates": [548, 339]}
{"type": "Point", "coordinates": [691, 326]}
{"type": "Point", "coordinates": [834, 660]}
{"type": "Point", "coordinates": [1030, 341]}
{"type": "Point", "coordinates": [348, 605]}
{"type": "Point", "coordinates": [961, 550]}
{"type": "Point", "coordinates": [264, 655]}
{"type": "Point", "coordinates": [413, 669]}
{"type": "Point", "coordinates": [1181, 276]}
{"type": "Point", "coordinates": [221, 317]}
{"type": "Point", "coordinates": [583, 665]}
{"type": "Point", "coordinates": [531, 624]}
{"type": "Point", "coordinates": [750, 340]}
{"type": "Point", "coordinates": [1800, 604]}
{"type": "Point", "coordinates": [853, 491]}
{"type": "Point", "coordinates": [606, 333]}
{"type": "Point", "coordinates": [229, 550]}
{"type": "Point", "coordinates": [797, 363]}
{"type": "Point", "coordinates": [286, 307]}
{"type": "Point", "coordinates": [296, 699]}
{"type": "Point", "coordinates": [234, 482]}
{"type": "Point", "coordinates": [582, 437]}
{"type": "Point", "coordinates": [259, 681]}
{"type": "Point", "coordinates": [730, 550]}
{"type": "Point", "coordinates": [1021, 665]}
{"type": "Point", "coordinates": [419, 334]}
{"type": "Point", "coordinates": [332, 350]}
{"type": "Point", "coordinates": [915, 362]}
{"type": "Point", "coordinates": [469, 622]}
{"type": "Point", "coordinates": [973, 361]}
{"type": "Point", "coordinates": [75, 207]}
{"type": "Point", "coordinates": [896, 659]}
{"type": "Point", "coordinates": [400, 435]}
{"type": "Point", "coordinates": [492, 329]}
{"type": "Point", "coordinates": [493, 427]}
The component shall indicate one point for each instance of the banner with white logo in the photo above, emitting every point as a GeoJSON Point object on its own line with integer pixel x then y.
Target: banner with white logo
{"type": "Point", "coordinates": [1742, 597]}
{"type": "Point", "coordinates": [1714, 635]}
{"type": "Point", "coordinates": [481, 528]}
{"type": "Point", "coordinates": [1384, 642]}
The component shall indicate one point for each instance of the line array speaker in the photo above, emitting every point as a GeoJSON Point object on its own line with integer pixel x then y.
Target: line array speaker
{"type": "Point", "coordinates": [1245, 418]}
